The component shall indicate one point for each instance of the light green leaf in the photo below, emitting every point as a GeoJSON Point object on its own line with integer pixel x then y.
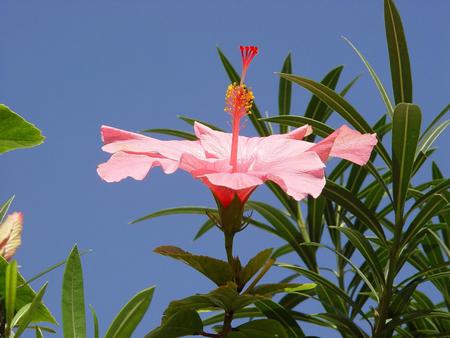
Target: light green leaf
{"type": "Point", "coordinates": [398, 54]}
{"type": "Point", "coordinates": [25, 295]}
{"type": "Point", "coordinates": [405, 134]}
{"type": "Point", "coordinates": [10, 293]}
{"type": "Point", "coordinates": [216, 270]}
{"type": "Point", "coordinates": [431, 136]}
{"type": "Point", "coordinates": [95, 322]}
{"type": "Point", "coordinates": [73, 309]}
{"type": "Point", "coordinates": [16, 132]}
{"type": "Point", "coordinates": [4, 208]}
{"type": "Point", "coordinates": [28, 316]}
{"type": "Point", "coordinates": [131, 315]}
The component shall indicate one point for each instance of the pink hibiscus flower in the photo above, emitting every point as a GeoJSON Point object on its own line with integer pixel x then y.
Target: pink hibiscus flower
{"type": "Point", "coordinates": [232, 165]}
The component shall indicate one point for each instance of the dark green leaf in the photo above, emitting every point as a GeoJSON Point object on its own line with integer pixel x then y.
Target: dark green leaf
{"type": "Point", "coordinates": [192, 121]}
{"type": "Point", "coordinates": [436, 120]}
{"type": "Point", "coordinates": [73, 309]}
{"type": "Point", "coordinates": [208, 225]}
{"type": "Point", "coordinates": [254, 265]}
{"type": "Point", "coordinates": [345, 198]}
{"type": "Point", "coordinates": [376, 79]}
{"type": "Point", "coordinates": [341, 106]}
{"type": "Point", "coordinates": [261, 328]}
{"type": "Point", "coordinates": [319, 128]}
{"type": "Point", "coordinates": [182, 323]}
{"type": "Point", "coordinates": [428, 139]}
{"type": "Point", "coordinates": [398, 54]}
{"type": "Point", "coordinates": [405, 134]}
{"type": "Point", "coordinates": [172, 132]}
{"type": "Point", "coordinates": [131, 315]}
{"type": "Point", "coordinates": [216, 270]}
{"type": "Point", "coordinates": [175, 211]}
{"type": "Point", "coordinates": [285, 90]}
{"type": "Point", "coordinates": [15, 132]}
{"type": "Point", "coordinates": [276, 312]}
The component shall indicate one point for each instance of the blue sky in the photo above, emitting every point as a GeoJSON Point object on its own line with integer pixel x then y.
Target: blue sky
{"type": "Point", "coordinates": [72, 66]}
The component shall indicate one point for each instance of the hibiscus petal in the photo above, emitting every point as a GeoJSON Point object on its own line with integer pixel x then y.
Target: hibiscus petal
{"type": "Point", "coordinates": [299, 133]}
{"type": "Point", "coordinates": [122, 165]}
{"type": "Point", "coordinates": [10, 234]}
{"type": "Point", "coordinates": [348, 144]}
{"type": "Point", "coordinates": [215, 143]}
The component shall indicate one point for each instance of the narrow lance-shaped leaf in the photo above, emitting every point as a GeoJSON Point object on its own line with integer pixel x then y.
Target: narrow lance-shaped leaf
{"type": "Point", "coordinates": [131, 315]}
{"type": "Point", "coordinates": [176, 211]}
{"type": "Point", "coordinates": [4, 208]}
{"type": "Point", "coordinates": [172, 132]}
{"type": "Point", "coordinates": [398, 54]}
{"type": "Point", "coordinates": [30, 313]}
{"type": "Point", "coordinates": [341, 106]}
{"type": "Point", "coordinates": [16, 132]}
{"type": "Point", "coordinates": [285, 91]}
{"type": "Point", "coordinates": [95, 322]}
{"type": "Point", "coordinates": [73, 309]}
{"type": "Point", "coordinates": [10, 293]}
{"type": "Point", "coordinates": [376, 79]}
{"type": "Point", "coordinates": [405, 135]}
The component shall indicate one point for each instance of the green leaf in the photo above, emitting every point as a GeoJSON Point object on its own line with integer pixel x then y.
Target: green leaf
{"type": "Point", "coordinates": [441, 187]}
{"type": "Point", "coordinates": [25, 295]}
{"type": "Point", "coordinates": [405, 134]}
{"type": "Point", "coordinates": [224, 297]}
{"type": "Point", "coordinates": [344, 324]}
{"type": "Point", "coordinates": [131, 315]}
{"type": "Point", "coordinates": [341, 106]}
{"type": "Point", "coordinates": [285, 90]}
{"type": "Point", "coordinates": [254, 265]}
{"type": "Point", "coordinates": [317, 109]}
{"type": "Point", "coordinates": [276, 312]}
{"type": "Point", "coordinates": [38, 332]}
{"type": "Point", "coordinates": [365, 248]}
{"type": "Point", "coordinates": [285, 229]}
{"type": "Point", "coordinates": [29, 315]}
{"type": "Point", "coordinates": [255, 115]}
{"type": "Point", "coordinates": [10, 293]}
{"type": "Point", "coordinates": [192, 121]}
{"type": "Point", "coordinates": [435, 204]}
{"type": "Point", "coordinates": [182, 323]}
{"type": "Point", "coordinates": [175, 211]}
{"type": "Point", "coordinates": [216, 270]}
{"type": "Point", "coordinates": [436, 120]}
{"type": "Point", "coordinates": [316, 209]}
{"type": "Point", "coordinates": [16, 132]}
{"type": "Point", "coordinates": [345, 198]}
{"type": "Point", "coordinates": [172, 132]}
{"type": "Point", "coordinates": [398, 54]}
{"type": "Point", "coordinates": [4, 208]}
{"type": "Point", "coordinates": [208, 225]}
{"type": "Point", "coordinates": [268, 290]}
{"type": "Point", "coordinates": [261, 328]}
{"type": "Point", "coordinates": [73, 309]}
{"type": "Point", "coordinates": [95, 322]}
{"type": "Point", "coordinates": [319, 128]}
{"type": "Point", "coordinates": [431, 136]}
{"type": "Point", "coordinates": [376, 79]}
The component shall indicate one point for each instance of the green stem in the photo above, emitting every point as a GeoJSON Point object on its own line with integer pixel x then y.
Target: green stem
{"type": "Point", "coordinates": [228, 316]}
{"type": "Point", "coordinates": [229, 236]}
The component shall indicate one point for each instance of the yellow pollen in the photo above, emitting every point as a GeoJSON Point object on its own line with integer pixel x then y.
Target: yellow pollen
{"type": "Point", "coordinates": [238, 100]}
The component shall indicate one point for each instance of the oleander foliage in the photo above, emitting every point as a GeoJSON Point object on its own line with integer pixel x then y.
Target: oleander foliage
{"type": "Point", "coordinates": [388, 230]}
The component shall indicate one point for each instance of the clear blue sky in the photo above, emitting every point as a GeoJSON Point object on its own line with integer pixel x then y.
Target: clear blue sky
{"type": "Point", "coordinates": [71, 66]}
